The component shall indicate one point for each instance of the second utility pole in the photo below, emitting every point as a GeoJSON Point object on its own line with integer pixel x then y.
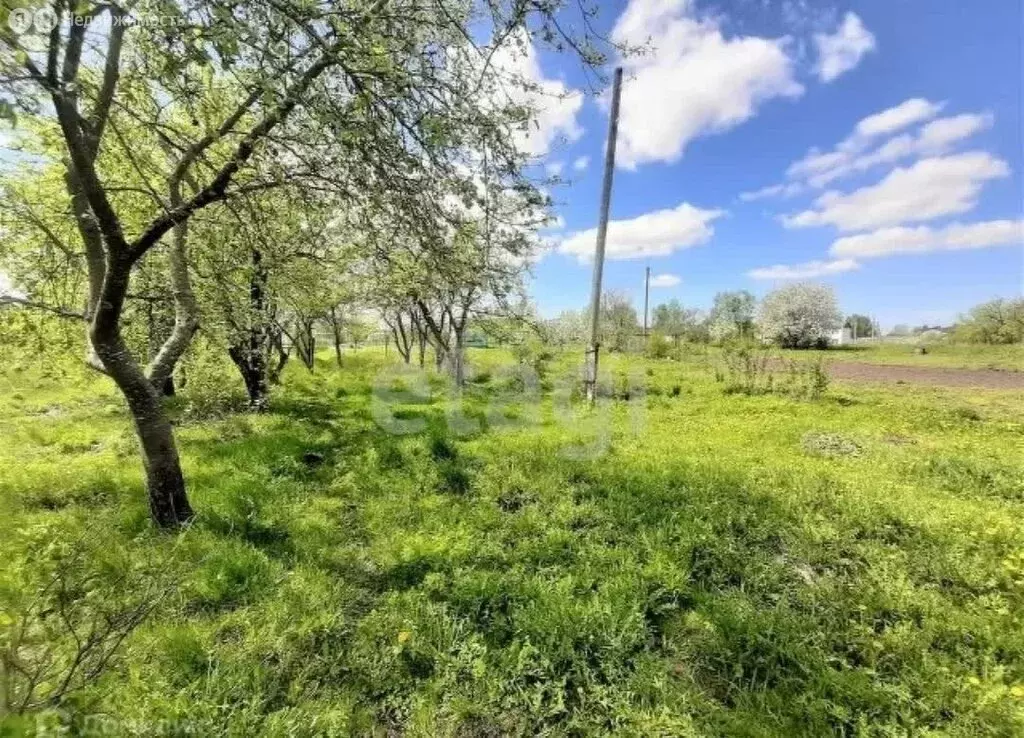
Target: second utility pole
{"type": "Point", "coordinates": [647, 298]}
{"type": "Point", "coordinates": [590, 380]}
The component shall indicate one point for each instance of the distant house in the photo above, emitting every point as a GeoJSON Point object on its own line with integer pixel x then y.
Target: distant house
{"type": "Point", "coordinates": [841, 337]}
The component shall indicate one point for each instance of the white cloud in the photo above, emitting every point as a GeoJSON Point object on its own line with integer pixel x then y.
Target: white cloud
{"type": "Point", "coordinates": [928, 189]}
{"type": "Point", "coordinates": [658, 233]}
{"type": "Point", "coordinates": [820, 167]}
{"type": "Point", "coordinates": [933, 138]}
{"type": "Point", "coordinates": [554, 168]}
{"type": "Point", "coordinates": [842, 51]}
{"type": "Point", "coordinates": [665, 280]}
{"type": "Point", "coordinates": [891, 120]}
{"type": "Point", "coordinates": [694, 82]}
{"type": "Point", "coordinates": [853, 154]}
{"type": "Point", "coordinates": [807, 270]}
{"type": "Point", "coordinates": [941, 133]}
{"type": "Point", "coordinates": [521, 81]}
{"type": "Point", "coordinates": [581, 163]}
{"type": "Point", "coordinates": [815, 162]}
{"type": "Point", "coordinates": [779, 190]}
{"type": "Point", "coordinates": [923, 239]}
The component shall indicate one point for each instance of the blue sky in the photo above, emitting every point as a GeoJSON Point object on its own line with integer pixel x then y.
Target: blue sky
{"type": "Point", "coordinates": [914, 212]}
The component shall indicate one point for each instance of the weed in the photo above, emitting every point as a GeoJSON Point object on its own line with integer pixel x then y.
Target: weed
{"type": "Point", "coordinates": [746, 368]}
{"type": "Point", "coordinates": [966, 413]}
{"type": "Point", "coordinates": [829, 444]}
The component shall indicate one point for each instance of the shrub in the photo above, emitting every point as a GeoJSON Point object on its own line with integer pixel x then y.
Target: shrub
{"type": "Point", "coordinates": [808, 379]}
{"type": "Point", "coordinates": [658, 347]}
{"type": "Point", "coordinates": [535, 355]}
{"type": "Point", "coordinates": [63, 628]}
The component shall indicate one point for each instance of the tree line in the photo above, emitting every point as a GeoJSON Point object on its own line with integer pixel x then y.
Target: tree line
{"type": "Point", "coordinates": [797, 316]}
{"type": "Point", "coordinates": [801, 315]}
{"type": "Point", "coordinates": [252, 170]}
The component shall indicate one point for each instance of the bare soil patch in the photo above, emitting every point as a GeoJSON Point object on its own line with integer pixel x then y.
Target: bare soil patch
{"type": "Point", "coordinates": [933, 376]}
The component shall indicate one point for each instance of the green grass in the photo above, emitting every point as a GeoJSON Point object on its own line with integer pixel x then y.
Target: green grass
{"type": "Point", "coordinates": [731, 565]}
{"type": "Point", "coordinates": [939, 354]}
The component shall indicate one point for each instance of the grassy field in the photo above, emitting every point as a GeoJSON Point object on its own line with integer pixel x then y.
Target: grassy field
{"type": "Point", "coordinates": [939, 354]}
{"type": "Point", "coordinates": [715, 564]}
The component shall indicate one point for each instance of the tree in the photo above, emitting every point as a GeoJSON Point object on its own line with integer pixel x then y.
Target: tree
{"type": "Point", "coordinates": [618, 321]}
{"type": "Point", "coordinates": [999, 321]}
{"type": "Point", "coordinates": [860, 326]}
{"type": "Point", "coordinates": [570, 327]}
{"type": "Point", "coordinates": [732, 315]}
{"type": "Point", "coordinates": [672, 319]}
{"type": "Point", "coordinates": [802, 315]}
{"type": "Point", "coordinates": [275, 270]}
{"type": "Point", "coordinates": [464, 261]}
{"type": "Point", "coordinates": [405, 323]}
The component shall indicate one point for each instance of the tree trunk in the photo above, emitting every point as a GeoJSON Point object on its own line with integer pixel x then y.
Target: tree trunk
{"type": "Point", "coordinates": [336, 330]}
{"type": "Point", "coordinates": [421, 340]}
{"type": "Point", "coordinates": [250, 353]}
{"type": "Point", "coordinates": [186, 310]}
{"type": "Point", "coordinates": [440, 333]}
{"type": "Point", "coordinates": [457, 358]}
{"type": "Point", "coordinates": [168, 503]}
{"type": "Point", "coordinates": [166, 389]}
{"type": "Point", "coordinates": [403, 337]}
{"type": "Point", "coordinates": [305, 342]}
{"type": "Point", "coordinates": [253, 368]}
{"type": "Point", "coordinates": [95, 259]}
{"type": "Point", "coordinates": [277, 345]}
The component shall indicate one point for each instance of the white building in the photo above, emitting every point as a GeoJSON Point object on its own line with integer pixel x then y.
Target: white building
{"type": "Point", "coordinates": [841, 337]}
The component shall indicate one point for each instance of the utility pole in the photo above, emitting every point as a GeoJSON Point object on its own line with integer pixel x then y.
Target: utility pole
{"type": "Point", "coordinates": [590, 381]}
{"type": "Point", "coordinates": [647, 298]}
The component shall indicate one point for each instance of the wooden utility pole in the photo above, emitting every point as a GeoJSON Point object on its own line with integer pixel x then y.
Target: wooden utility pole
{"type": "Point", "coordinates": [590, 381]}
{"type": "Point", "coordinates": [647, 297]}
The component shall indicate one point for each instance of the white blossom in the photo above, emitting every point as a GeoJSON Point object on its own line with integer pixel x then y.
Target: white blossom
{"type": "Point", "coordinates": [801, 315]}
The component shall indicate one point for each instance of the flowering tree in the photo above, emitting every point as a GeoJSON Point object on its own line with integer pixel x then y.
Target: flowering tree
{"type": "Point", "coordinates": [800, 315]}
